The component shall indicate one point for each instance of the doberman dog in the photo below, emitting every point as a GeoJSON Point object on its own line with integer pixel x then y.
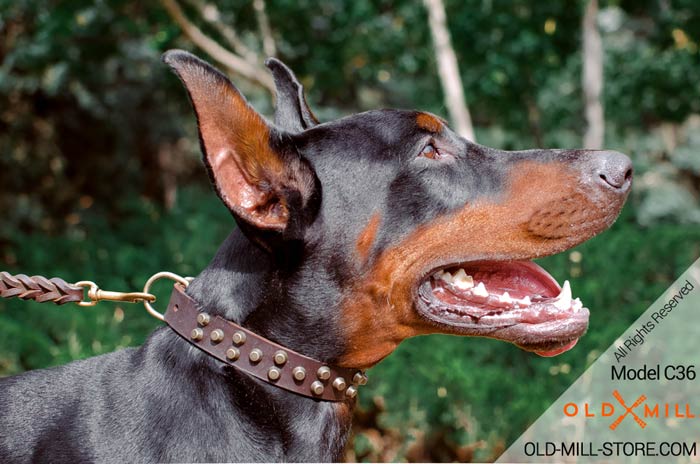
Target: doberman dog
{"type": "Point", "coordinates": [352, 236]}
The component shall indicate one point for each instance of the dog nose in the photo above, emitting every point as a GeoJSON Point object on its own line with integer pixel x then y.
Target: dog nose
{"type": "Point", "coordinates": [613, 170]}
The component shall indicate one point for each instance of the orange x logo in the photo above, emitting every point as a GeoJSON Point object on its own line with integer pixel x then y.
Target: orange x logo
{"type": "Point", "coordinates": [628, 410]}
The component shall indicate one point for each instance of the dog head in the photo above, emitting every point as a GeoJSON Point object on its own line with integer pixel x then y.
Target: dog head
{"type": "Point", "coordinates": [395, 226]}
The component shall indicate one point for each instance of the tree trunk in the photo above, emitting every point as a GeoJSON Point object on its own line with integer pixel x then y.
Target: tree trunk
{"type": "Point", "coordinates": [593, 79]}
{"type": "Point", "coordinates": [448, 69]}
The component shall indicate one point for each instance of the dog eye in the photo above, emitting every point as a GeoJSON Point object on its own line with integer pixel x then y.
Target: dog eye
{"type": "Point", "coordinates": [430, 152]}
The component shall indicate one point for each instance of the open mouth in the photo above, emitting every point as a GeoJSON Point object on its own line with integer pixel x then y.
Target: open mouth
{"type": "Point", "coordinates": [514, 301]}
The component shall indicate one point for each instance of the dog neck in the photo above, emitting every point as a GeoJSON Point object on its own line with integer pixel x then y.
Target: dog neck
{"type": "Point", "coordinates": [241, 285]}
{"type": "Point", "coordinates": [233, 284]}
{"type": "Point", "coordinates": [248, 286]}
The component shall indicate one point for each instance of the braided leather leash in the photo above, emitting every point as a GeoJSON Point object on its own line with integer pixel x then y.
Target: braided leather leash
{"type": "Point", "coordinates": [222, 339]}
{"type": "Point", "coordinates": [39, 289]}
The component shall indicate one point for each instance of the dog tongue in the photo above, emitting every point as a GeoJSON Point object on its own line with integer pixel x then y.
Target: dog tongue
{"type": "Point", "coordinates": [549, 354]}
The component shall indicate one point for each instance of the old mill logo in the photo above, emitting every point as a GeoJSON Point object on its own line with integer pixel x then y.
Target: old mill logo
{"type": "Point", "coordinates": [628, 410]}
{"type": "Point", "coordinates": [639, 411]}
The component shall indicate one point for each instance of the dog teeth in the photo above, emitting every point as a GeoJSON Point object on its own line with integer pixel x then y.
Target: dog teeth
{"type": "Point", "coordinates": [447, 277]}
{"type": "Point", "coordinates": [565, 290]}
{"type": "Point", "coordinates": [576, 305]}
{"type": "Point", "coordinates": [444, 276]}
{"type": "Point", "coordinates": [563, 301]}
{"type": "Point", "coordinates": [462, 281]}
{"type": "Point", "coordinates": [465, 282]}
{"type": "Point", "coordinates": [480, 290]}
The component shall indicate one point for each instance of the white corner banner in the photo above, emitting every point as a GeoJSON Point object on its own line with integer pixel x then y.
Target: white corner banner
{"type": "Point", "coordinates": [639, 401]}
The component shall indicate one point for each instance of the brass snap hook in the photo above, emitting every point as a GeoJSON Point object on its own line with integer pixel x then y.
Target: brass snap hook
{"type": "Point", "coordinates": [95, 294]}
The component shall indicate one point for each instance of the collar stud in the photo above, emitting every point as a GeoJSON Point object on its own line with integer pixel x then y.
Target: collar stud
{"type": "Point", "coordinates": [239, 338]}
{"type": "Point", "coordinates": [359, 378]}
{"type": "Point", "coordinates": [280, 358]}
{"type": "Point", "coordinates": [203, 319]}
{"type": "Point", "coordinates": [255, 355]}
{"type": "Point", "coordinates": [323, 373]}
{"type": "Point", "coordinates": [197, 334]}
{"type": "Point", "coordinates": [339, 384]}
{"type": "Point", "coordinates": [351, 392]}
{"type": "Point", "coordinates": [233, 353]}
{"type": "Point", "coordinates": [317, 388]}
{"type": "Point", "coordinates": [299, 373]}
{"type": "Point", "coordinates": [216, 335]}
{"type": "Point", "coordinates": [274, 374]}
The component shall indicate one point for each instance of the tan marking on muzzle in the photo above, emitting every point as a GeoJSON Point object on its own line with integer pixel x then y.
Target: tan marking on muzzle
{"type": "Point", "coordinates": [545, 209]}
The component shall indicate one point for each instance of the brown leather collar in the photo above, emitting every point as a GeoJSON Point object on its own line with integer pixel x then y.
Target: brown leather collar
{"type": "Point", "coordinates": [258, 356]}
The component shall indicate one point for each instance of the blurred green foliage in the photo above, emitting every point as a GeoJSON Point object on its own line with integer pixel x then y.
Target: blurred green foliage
{"type": "Point", "coordinates": [119, 255]}
{"type": "Point", "coordinates": [100, 175]}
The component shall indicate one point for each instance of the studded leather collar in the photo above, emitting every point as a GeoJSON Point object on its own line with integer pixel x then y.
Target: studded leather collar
{"type": "Point", "coordinates": [246, 351]}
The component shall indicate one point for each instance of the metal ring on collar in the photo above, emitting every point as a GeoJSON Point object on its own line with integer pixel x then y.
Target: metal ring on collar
{"type": "Point", "coordinates": [185, 281]}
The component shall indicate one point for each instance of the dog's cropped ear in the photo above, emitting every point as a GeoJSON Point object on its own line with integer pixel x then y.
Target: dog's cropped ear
{"type": "Point", "coordinates": [261, 179]}
{"type": "Point", "coordinates": [292, 113]}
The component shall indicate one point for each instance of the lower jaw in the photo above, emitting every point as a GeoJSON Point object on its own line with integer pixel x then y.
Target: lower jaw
{"type": "Point", "coordinates": [548, 346]}
{"type": "Point", "coordinates": [547, 337]}
{"type": "Point", "coordinates": [552, 343]}
{"type": "Point", "coordinates": [557, 351]}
